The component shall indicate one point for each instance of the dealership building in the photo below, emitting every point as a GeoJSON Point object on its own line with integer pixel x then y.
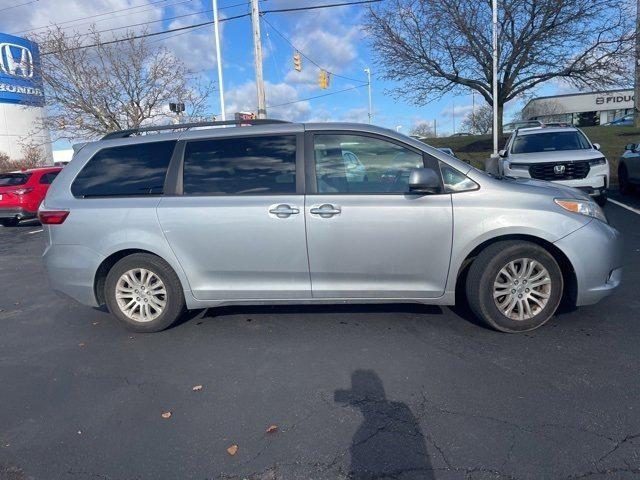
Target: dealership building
{"type": "Point", "coordinates": [21, 98]}
{"type": "Point", "coordinates": [581, 109]}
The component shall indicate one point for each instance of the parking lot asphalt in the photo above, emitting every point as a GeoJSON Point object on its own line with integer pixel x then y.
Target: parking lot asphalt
{"type": "Point", "coordinates": [378, 391]}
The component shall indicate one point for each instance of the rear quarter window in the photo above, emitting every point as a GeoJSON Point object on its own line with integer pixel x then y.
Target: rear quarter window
{"type": "Point", "coordinates": [130, 170]}
{"type": "Point", "coordinates": [47, 178]}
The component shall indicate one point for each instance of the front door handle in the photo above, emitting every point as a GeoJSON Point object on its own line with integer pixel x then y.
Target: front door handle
{"type": "Point", "coordinates": [325, 211]}
{"type": "Point", "coordinates": [284, 210]}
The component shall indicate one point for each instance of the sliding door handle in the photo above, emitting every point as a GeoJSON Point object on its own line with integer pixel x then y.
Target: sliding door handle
{"type": "Point", "coordinates": [327, 210]}
{"type": "Point", "coordinates": [284, 210]}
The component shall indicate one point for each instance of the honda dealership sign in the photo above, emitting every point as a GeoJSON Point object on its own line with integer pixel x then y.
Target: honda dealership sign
{"type": "Point", "coordinates": [20, 79]}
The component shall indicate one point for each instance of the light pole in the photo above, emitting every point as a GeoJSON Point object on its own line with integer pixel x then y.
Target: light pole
{"type": "Point", "coordinates": [398, 127]}
{"type": "Point", "coordinates": [257, 58]}
{"type": "Point", "coordinates": [216, 33]}
{"type": "Point", "coordinates": [368, 72]}
{"type": "Point", "coordinates": [494, 8]}
{"type": "Point", "coordinates": [636, 93]}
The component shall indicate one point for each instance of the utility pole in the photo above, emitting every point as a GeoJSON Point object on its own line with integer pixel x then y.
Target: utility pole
{"type": "Point", "coordinates": [453, 117]}
{"type": "Point", "coordinates": [435, 128]}
{"type": "Point", "coordinates": [216, 33]}
{"type": "Point", "coordinates": [494, 7]}
{"type": "Point", "coordinates": [257, 57]}
{"type": "Point", "coordinates": [473, 107]}
{"type": "Point", "coordinates": [368, 72]}
{"type": "Point", "coordinates": [636, 92]}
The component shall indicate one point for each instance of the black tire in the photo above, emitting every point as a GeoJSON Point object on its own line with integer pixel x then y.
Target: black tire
{"type": "Point", "coordinates": [10, 222]}
{"type": "Point", "coordinates": [484, 271]}
{"type": "Point", "coordinates": [601, 199]}
{"type": "Point", "coordinates": [174, 297]}
{"type": "Point", "coordinates": [623, 180]}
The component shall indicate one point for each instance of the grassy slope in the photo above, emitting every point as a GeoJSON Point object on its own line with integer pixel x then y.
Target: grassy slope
{"type": "Point", "coordinates": [475, 149]}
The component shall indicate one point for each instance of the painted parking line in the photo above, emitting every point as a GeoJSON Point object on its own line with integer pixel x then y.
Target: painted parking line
{"type": "Point", "coordinates": [623, 205]}
{"type": "Point", "coordinates": [35, 231]}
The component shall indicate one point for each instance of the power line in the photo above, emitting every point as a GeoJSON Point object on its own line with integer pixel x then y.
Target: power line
{"type": "Point", "coordinates": [149, 23]}
{"type": "Point", "coordinates": [145, 35]}
{"type": "Point", "coordinates": [315, 7]}
{"type": "Point", "coordinates": [160, 20]}
{"type": "Point", "coordinates": [316, 96]}
{"type": "Point", "coordinates": [19, 5]}
{"type": "Point", "coordinates": [307, 57]}
{"type": "Point", "coordinates": [210, 22]}
{"type": "Point", "coordinates": [100, 15]}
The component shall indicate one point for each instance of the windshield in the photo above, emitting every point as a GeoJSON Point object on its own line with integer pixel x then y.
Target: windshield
{"type": "Point", "coordinates": [13, 179]}
{"type": "Point", "coordinates": [549, 142]}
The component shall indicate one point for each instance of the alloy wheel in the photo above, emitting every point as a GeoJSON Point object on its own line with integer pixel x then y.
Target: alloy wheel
{"type": "Point", "coordinates": [141, 295]}
{"type": "Point", "coordinates": [522, 289]}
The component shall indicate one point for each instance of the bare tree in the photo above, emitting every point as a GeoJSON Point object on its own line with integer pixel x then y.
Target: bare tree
{"type": "Point", "coordinates": [478, 122]}
{"type": "Point", "coordinates": [541, 108]}
{"type": "Point", "coordinates": [422, 130]}
{"type": "Point", "coordinates": [433, 47]}
{"type": "Point", "coordinates": [113, 85]}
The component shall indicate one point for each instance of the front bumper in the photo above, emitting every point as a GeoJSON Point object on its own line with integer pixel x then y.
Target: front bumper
{"type": "Point", "coordinates": [595, 252]}
{"type": "Point", "coordinates": [16, 212]}
{"type": "Point", "coordinates": [595, 183]}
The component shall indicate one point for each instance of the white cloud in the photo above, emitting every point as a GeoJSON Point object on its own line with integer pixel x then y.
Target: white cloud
{"type": "Point", "coordinates": [244, 98]}
{"type": "Point", "coordinates": [460, 111]}
{"type": "Point", "coordinates": [47, 13]}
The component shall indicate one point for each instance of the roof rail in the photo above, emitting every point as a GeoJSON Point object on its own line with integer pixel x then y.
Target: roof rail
{"type": "Point", "coordinates": [187, 126]}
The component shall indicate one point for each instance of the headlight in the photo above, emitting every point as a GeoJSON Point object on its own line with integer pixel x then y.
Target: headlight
{"type": "Point", "coordinates": [597, 161]}
{"type": "Point", "coordinates": [518, 166]}
{"type": "Point", "coordinates": [583, 207]}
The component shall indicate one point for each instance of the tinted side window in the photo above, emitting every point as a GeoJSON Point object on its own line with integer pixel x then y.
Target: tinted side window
{"type": "Point", "coordinates": [241, 166]}
{"type": "Point", "coordinates": [47, 178]}
{"type": "Point", "coordinates": [360, 164]}
{"type": "Point", "coordinates": [125, 171]}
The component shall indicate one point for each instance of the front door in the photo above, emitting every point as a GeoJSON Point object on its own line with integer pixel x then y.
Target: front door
{"type": "Point", "coordinates": [367, 237]}
{"type": "Point", "coordinates": [238, 227]}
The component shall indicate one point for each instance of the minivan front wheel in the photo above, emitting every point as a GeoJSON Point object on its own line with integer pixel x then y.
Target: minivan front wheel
{"type": "Point", "coordinates": [514, 286]}
{"type": "Point", "coordinates": [144, 293]}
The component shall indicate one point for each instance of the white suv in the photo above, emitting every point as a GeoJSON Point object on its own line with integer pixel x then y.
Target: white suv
{"type": "Point", "coordinates": [557, 154]}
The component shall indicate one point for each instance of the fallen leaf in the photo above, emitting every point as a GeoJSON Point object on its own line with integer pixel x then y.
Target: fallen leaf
{"type": "Point", "coordinates": [232, 450]}
{"type": "Point", "coordinates": [166, 415]}
{"type": "Point", "coordinates": [82, 344]}
{"type": "Point", "coordinates": [95, 323]}
{"type": "Point", "coordinates": [272, 429]}
{"type": "Point", "coordinates": [197, 388]}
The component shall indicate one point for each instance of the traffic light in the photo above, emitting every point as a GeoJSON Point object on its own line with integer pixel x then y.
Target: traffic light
{"type": "Point", "coordinates": [297, 61]}
{"type": "Point", "coordinates": [323, 79]}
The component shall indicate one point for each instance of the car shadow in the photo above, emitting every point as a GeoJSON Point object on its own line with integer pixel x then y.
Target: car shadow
{"type": "Point", "coordinates": [389, 442]}
{"type": "Point", "coordinates": [355, 308]}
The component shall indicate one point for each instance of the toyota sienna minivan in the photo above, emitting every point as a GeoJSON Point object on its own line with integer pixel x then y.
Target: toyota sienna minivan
{"type": "Point", "coordinates": [154, 221]}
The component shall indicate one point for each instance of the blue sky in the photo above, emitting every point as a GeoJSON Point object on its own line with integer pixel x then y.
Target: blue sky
{"type": "Point", "coordinates": [333, 38]}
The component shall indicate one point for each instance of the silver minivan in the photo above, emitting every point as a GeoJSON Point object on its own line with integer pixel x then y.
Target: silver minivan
{"type": "Point", "coordinates": [153, 222]}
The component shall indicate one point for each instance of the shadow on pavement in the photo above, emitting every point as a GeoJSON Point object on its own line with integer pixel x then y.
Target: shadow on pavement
{"type": "Point", "coordinates": [389, 443]}
{"type": "Point", "coordinates": [329, 308]}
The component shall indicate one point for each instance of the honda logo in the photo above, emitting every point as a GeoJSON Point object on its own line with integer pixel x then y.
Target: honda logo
{"type": "Point", "coordinates": [16, 60]}
{"type": "Point", "coordinates": [559, 169]}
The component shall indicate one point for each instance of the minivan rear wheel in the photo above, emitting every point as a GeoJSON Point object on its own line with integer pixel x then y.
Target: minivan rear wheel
{"type": "Point", "coordinates": [514, 286]}
{"type": "Point", "coordinates": [144, 293]}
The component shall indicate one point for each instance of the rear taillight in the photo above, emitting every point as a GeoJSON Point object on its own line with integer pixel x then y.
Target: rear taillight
{"type": "Point", "coordinates": [52, 217]}
{"type": "Point", "coordinates": [23, 191]}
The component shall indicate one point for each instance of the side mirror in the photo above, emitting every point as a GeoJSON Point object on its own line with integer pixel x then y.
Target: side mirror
{"type": "Point", "coordinates": [424, 180]}
{"type": "Point", "coordinates": [596, 146]}
{"type": "Point", "coordinates": [631, 147]}
{"type": "Point", "coordinates": [502, 153]}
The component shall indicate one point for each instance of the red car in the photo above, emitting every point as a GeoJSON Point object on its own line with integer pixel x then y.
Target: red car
{"type": "Point", "coordinates": [22, 192]}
